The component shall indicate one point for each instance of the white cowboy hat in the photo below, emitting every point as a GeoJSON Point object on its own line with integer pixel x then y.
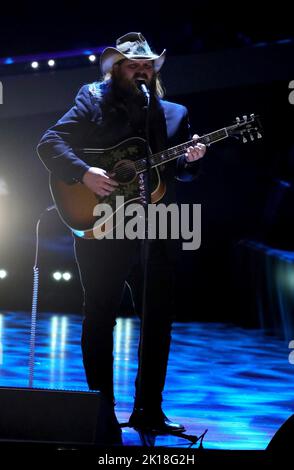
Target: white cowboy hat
{"type": "Point", "coordinates": [131, 46]}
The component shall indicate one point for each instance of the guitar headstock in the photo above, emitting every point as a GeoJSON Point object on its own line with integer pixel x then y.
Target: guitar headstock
{"type": "Point", "coordinates": [246, 128]}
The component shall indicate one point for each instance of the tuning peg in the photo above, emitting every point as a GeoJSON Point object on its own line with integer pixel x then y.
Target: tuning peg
{"type": "Point", "coordinates": [251, 136]}
{"type": "Point", "coordinates": [252, 116]}
{"type": "Point", "coordinates": [244, 140]}
{"type": "Point", "coordinates": [238, 120]}
{"type": "Point", "coordinates": [259, 136]}
{"type": "Point", "coordinates": [245, 118]}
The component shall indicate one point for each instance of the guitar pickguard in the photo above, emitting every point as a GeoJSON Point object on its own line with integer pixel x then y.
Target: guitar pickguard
{"type": "Point", "coordinates": [120, 161]}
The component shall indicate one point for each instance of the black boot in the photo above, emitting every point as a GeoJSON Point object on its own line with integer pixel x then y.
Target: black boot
{"type": "Point", "coordinates": [154, 420]}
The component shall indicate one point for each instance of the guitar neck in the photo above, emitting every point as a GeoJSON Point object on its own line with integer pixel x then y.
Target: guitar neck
{"type": "Point", "coordinates": [160, 158]}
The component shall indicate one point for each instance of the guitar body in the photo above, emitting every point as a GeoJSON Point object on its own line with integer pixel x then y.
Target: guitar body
{"type": "Point", "coordinates": [75, 203]}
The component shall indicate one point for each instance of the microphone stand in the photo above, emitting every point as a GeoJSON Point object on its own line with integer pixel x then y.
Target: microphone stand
{"type": "Point", "coordinates": [147, 200]}
{"type": "Point", "coordinates": [148, 437]}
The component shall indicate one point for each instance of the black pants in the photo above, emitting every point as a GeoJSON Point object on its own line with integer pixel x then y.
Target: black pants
{"type": "Point", "coordinates": [104, 267]}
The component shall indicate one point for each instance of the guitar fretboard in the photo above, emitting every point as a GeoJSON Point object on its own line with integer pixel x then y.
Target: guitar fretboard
{"type": "Point", "coordinates": [175, 152]}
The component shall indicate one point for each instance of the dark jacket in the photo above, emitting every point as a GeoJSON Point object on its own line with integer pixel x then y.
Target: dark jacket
{"type": "Point", "coordinates": [87, 124]}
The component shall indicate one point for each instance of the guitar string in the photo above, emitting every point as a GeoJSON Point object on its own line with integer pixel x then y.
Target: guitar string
{"type": "Point", "coordinates": [169, 154]}
{"type": "Point", "coordinates": [174, 152]}
{"type": "Point", "coordinates": [179, 150]}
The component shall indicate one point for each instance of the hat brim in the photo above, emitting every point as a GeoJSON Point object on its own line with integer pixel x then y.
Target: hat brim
{"type": "Point", "coordinates": [111, 56]}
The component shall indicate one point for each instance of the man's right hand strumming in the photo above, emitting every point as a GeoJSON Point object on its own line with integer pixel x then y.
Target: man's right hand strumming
{"type": "Point", "coordinates": [99, 181]}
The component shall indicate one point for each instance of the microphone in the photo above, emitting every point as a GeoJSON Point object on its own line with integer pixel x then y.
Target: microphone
{"type": "Point", "coordinates": [141, 84]}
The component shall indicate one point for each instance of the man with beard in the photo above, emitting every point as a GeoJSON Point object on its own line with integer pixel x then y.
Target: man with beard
{"type": "Point", "coordinates": [107, 113]}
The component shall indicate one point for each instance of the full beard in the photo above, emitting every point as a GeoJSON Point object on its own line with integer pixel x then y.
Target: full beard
{"type": "Point", "coordinates": [128, 89]}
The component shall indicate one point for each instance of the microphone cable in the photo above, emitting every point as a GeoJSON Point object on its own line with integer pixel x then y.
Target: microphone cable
{"type": "Point", "coordinates": [35, 301]}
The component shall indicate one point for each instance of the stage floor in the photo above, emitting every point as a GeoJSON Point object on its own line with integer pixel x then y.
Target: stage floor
{"type": "Point", "coordinates": [236, 383]}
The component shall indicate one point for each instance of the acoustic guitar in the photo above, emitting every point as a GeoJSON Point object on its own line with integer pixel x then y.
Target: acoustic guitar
{"type": "Point", "coordinates": [127, 161]}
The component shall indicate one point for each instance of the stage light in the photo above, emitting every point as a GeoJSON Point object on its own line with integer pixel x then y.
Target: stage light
{"type": "Point", "coordinates": [51, 63]}
{"type": "Point", "coordinates": [35, 64]}
{"type": "Point", "coordinates": [66, 276]}
{"type": "Point", "coordinates": [57, 276]}
{"type": "Point", "coordinates": [92, 58]}
{"type": "Point", "coordinates": [9, 60]}
{"type": "Point", "coordinates": [3, 273]}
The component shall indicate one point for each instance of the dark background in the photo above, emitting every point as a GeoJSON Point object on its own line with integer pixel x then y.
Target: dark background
{"type": "Point", "coordinates": [182, 27]}
{"type": "Point", "coordinates": [246, 191]}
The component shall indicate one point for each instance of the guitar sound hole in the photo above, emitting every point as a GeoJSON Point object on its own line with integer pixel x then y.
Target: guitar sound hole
{"type": "Point", "coordinates": [125, 171]}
